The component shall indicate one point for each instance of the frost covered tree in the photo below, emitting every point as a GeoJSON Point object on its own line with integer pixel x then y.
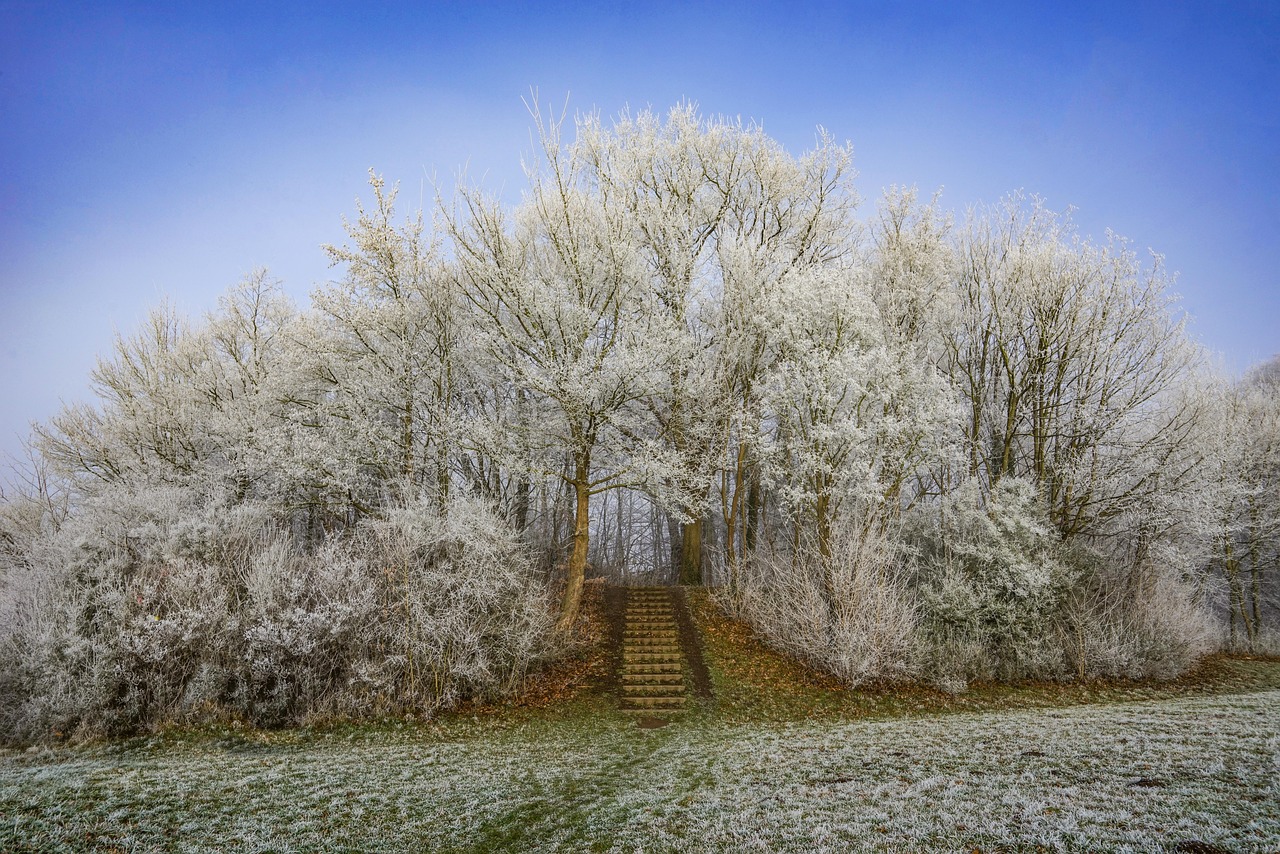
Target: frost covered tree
{"type": "Point", "coordinates": [385, 358]}
{"type": "Point", "coordinates": [671, 182]}
{"type": "Point", "coordinates": [853, 418]}
{"type": "Point", "coordinates": [909, 446]}
{"type": "Point", "coordinates": [717, 211]}
{"type": "Point", "coordinates": [1065, 354]}
{"type": "Point", "coordinates": [559, 294]}
{"type": "Point", "coordinates": [1246, 452]}
{"type": "Point", "coordinates": [788, 217]}
{"type": "Point", "coordinates": [182, 405]}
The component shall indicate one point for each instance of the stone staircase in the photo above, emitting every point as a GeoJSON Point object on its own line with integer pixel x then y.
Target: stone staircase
{"type": "Point", "coordinates": [652, 665]}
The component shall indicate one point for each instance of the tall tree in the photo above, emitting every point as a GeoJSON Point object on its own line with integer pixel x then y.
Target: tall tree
{"type": "Point", "coordinates": [182, 405]}
{"type": "Point", "coordinates": [1246, 458]}
{"type": "Point", "coordinates": [672, 182]}
{"type": "Point", "coordinates": [1066, 354]}
{"type": "Point", "coordinates": [387, 353]}
{"type": "Point", "coordinates": [558, 294]}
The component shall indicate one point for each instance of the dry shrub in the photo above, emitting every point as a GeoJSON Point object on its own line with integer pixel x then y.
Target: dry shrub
{"type": "Point", "coordinates": [1149, 626]}
{"type": "Point", "coordinates": [161, 605]}
{"type": "Point", "coordinates": [848, 614]}
{"type": "Point", "coordinates": [474, 611]}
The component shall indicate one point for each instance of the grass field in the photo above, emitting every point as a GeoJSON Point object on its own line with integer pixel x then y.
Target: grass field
{"type": "Point", "coordinates": [781, 761]}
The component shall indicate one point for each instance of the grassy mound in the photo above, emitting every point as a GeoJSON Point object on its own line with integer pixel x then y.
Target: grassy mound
{"type": "Point", "coordinates": [780, 759]}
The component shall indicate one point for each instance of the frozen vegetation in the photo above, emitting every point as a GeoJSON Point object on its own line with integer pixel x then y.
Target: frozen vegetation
{"type": "Point", "coordinates": [1144, 776]}
{"type": "Point", "coordinates": [901, 444]}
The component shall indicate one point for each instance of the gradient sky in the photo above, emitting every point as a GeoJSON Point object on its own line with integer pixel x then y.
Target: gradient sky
{"type": "Point", "coordinates": [153, 151]}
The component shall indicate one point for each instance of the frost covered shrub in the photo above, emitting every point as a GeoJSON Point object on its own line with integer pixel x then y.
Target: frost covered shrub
{"type": "Point", "coordinates": [1146, 622]}
{"type": "Point", "coordinates": [1002, 597]}
{"type": "Point", "coordinates": [991, 583]}
{"type": "Point", "coordinates": [848, 614]}
{"type": "Point", "coordinates": [80, 649]}
{"type": "Point", "coordinates": [165, 604]}
{"type": "Point", "coordinates": [474, 613]}
{"type": "Point", "coordinates": [130, 614]}
{"type": "Point", "coordinates": [21, 529]}
{"type": "Point", "coordinates": [311, 620]}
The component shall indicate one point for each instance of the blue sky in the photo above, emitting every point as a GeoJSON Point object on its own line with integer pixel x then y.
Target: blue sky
{"type": "Point", "coordinates": [152, 151]}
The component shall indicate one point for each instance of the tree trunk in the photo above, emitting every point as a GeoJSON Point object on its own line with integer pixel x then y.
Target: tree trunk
{"type": "Point", "coordinates": [691, 552]}
{"type": "Point", "coordinates": [822, 526]}
{"type": "Point", "coordinates": [674, 538]}
{"type": "Point", "coordinates": [755, 505]}
{"type": "Point", "coordinates": [1236, 591]}
{"type": "Point", "coordinates": [621, 553]}
{"type": "Point", "coordinates": [522, 504]}
{"type": "Point", "coordinates": [578, 559]}
{"type": "Point", "coordinates": [442, 475]}
{"type": "Point", "coordinates": [730, 504]}
{"type": "Point", "coordinates": [1255, 568]}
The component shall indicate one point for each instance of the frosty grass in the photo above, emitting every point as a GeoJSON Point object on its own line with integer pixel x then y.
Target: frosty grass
{"type": "Point", "coordinates": [1145, 776]}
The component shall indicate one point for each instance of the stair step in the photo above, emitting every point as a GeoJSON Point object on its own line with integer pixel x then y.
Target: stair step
{"type": "Point", "coordinates": [673, 675]}
{"type": "Point", "coordinates": [656, 689]}
{"type": "Point", "coordinates": [641, 679]}
{"type": "Point", "coordinates": [640, 704]}
{"type": "Point", "coordinates": [649, 698]}
{"type": "Point", "coordinates": [637, 667]}
{"type": "Point", "coordinates": [651, 658]}
{"type": "Point", "coordinates": [630, 692]}
{"type": "Point", "coordinates": [652, 672]}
